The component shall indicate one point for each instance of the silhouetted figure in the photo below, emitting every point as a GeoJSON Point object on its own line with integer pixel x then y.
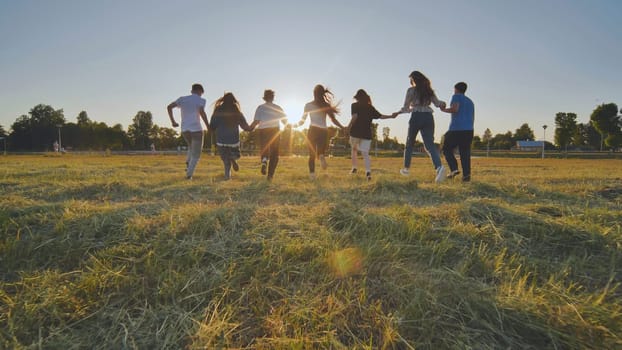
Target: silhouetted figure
{"type": "Point", "coordinates": [419, 96]}
{"type": "Point", "coordinates": [460, 133]}
{"type": "Point", "coordinates": [268, 116]}
{"type": "Point", "coordinates": [363, 113]}
{"type": "Point", "coordinates": [226, 122]}
{"type": "Point", "coordinates": [317, 136]}
{"type": "Point", "coordinates": [192, 108]}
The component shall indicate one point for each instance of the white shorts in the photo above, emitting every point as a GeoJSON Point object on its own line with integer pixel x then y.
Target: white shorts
{"type": "Point", "coordinates": [361, 144]}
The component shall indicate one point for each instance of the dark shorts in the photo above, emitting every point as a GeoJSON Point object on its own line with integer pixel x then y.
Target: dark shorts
{"type": "Point", "coordinates": [317, 138]}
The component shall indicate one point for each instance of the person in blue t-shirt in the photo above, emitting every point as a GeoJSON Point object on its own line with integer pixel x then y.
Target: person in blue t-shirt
{"type": "Point", "coordinates": [460, 133]}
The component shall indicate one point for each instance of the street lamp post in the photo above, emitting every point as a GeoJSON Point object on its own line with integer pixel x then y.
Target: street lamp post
{"type": "Point", "coordinates": [544, 139]}
{"type": "Point", "coordinates": [60, 147]}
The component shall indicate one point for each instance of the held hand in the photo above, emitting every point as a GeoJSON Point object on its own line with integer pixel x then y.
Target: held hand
{"type": "Point", "coordinates": [394, 114]}
{"type": "Point", "coordinates": [442, 106]}
{"type": "Point", "coordinates": [174, 123]}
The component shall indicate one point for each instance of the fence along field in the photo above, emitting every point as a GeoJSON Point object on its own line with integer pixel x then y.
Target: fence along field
{"type": "Point", "coordinates": [121, 252]}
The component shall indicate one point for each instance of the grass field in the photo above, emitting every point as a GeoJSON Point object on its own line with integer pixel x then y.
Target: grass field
{"type": "Point", "coordinates": [121, 252]}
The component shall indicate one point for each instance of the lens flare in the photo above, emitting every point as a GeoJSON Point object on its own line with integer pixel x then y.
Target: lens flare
{"type": "Point", "coordinates": [345, 262]}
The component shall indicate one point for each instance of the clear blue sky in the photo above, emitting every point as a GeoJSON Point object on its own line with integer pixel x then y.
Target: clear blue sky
{"type": "Point", "coordinates": [523, 60]}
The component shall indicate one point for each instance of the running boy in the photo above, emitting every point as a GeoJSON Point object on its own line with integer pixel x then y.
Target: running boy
{"type": "Point", "coordinates": [460, 132]}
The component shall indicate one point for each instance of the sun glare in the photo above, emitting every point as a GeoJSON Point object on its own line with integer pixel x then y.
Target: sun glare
{"type": "Point", "coordinates": [293, 109]}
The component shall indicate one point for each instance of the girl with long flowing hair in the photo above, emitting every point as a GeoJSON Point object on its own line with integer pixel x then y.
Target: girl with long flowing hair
{"type": "Point", "coordinates": [321, 107]}
{"type": "Point", "coordinates": [226, 121]}
{"type": "Point", "coordinates": [419, 96]}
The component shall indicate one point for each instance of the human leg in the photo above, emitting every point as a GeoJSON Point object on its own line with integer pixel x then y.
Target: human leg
{"type": "Point", "coordinates": [464, 148]}
{"type": "Point", "coordinates": [449, 145]}
{"type": "Point", "coordinates": [275, 143]}
{"type": "Point", "coordinates": [413, 129]}
{"type": "Point", "coordinates": [194, 150]}
{"type": "Point", "coordinates": [225, 156]}
{"type": "Point", "coordinates": [354, 141]}
{"type": "Point", "coordinates": [364, 147]}
{"type": "Point", "coordinates": [427, 134]}
{"type": "Point", "coordinates": [312, 144]}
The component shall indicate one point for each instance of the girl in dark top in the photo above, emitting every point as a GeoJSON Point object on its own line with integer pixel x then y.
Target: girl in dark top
{"type": "Point", "coordinates": [226, 121]}
{"type": "Point", "coordinates": [321, 106]}
{"type": "Point", "coordinates": [363, 113]}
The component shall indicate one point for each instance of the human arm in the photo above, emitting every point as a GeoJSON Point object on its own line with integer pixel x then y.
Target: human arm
{"type": "Point", "coordinates": [453, 108]}
{"type": "Point", "coordinates": [204, 117]}
{"type": "Point", "coordinates": [438, 103]}
{"type": "Point", "coordinates": [244, 125]}
{"type": "Point", "coordinates": [169, 108]}
{"type": "Point", "coordinates": [335, 121]}
{"type": "Point", "coordinates": [302, 120]}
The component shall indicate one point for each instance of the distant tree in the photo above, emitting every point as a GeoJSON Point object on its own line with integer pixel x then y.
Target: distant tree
{"type": "Point", "coordinates": [140, 130]}
{"type": "Point", "coordinates": [38, 130]}
{"type": "Point", "coordinates": [606, 120]}
{"type": "Point", "coordinates": [164, 138]}
{"type": "Point", "coordinates": [586, 136]}
{"type": "Point", "coordinates": [524, 133]}
{"type": "Point", "coordinates": [2, 132]}
{"type": "Point", "coordinates": [487, 136]}
{"type": "Point", "coordinates": [502, 141]}
{"type": "Point", "coordinates": [565, 128]}
{"type": "Point", "coordinates": [477, 143]}
{"type": "Point", "coordinates": [83, 119]}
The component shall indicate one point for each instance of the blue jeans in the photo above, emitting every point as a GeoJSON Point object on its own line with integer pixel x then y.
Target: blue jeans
{"type": "Point", "coordinates": [421, 122]}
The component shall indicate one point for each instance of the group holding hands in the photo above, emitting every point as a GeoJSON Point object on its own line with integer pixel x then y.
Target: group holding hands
{"type": "Point", "coordinates": [227, 119]}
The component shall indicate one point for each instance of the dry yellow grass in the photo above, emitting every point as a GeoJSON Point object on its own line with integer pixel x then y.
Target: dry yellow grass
{"type": "Point", "coordinates": [122, 252]}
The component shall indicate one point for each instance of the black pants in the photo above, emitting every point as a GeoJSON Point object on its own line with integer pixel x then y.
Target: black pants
{"type": "Point", "coordinates": [461, 139]}
{"type": "Point", "coordinates": [270, 140]}
{"type": "Point", "coordinates": [316, 139]}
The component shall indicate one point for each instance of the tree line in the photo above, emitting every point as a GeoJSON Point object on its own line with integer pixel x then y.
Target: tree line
{"type": "Point", "coordinates": [43, 125]}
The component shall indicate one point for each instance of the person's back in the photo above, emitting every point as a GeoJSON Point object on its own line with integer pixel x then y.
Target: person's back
{"type": "Point", "coordinates": [366, 113]}
{"type": "Point", "coordinates": [192, 111]}
{"type": "Point", "coordinates": [190, 106]}
{"type": "Point", "coordinates": [465, 117]}
{"type": "Point", "coordinates": [269, 115]}
{"type": "Point", "coordinates": [227, 126]}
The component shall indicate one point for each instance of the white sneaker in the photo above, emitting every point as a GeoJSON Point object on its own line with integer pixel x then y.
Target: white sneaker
{"type": "Point", "coordinates": [440, 174]}
{"type": "Point", "coordinates": [404, 171]}
{"type": "Point", "coordinates": [323, 162]}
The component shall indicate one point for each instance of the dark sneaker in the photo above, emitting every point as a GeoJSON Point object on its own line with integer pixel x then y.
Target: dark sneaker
{"type": "Point", "coordinates": [368, 174]}
{"type": "Point", "coordinates": [353, 171]}
{"type": "Point", "coordinates": [264, 167]}
{"type": "Point", "coordinates": [235, 165]}
{"type": "Point", "coordinates": [453, 174]}
{"type": "Point", "coordinates": [466, 178]}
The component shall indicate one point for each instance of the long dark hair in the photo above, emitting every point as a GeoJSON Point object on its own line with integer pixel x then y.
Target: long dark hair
{"type": "Point", "coordinates": [423, 87]}
{"type": "Point", "coordinates": [323, 98]}
{"type": "Point", "coordinates": [228, 107]}
{"type": "Point", "coordinates": [362, 97]}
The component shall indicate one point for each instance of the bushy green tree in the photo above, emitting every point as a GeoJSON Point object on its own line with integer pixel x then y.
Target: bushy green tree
{"type": "Point", "coordinates": [524, 133]}
{"type": "Point", "coordinates": [606, 120]}
{"type": "Point", "coordinates": [586, 136]}
{"type": "Point", "coordinates": [141, 129]}
{"type": "Point", "coordinates": [502, 141]}
{"type": "Point", "coordinates": [565, 128]}
{"type": "Point", "coordinates": [38, 130]}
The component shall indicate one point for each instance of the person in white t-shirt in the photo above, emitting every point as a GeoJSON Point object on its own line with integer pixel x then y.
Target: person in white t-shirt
{"type": "Point", "coordinates": [317, 136]}
{"type": "Point", "coordinates": [192, 111]}
{"type": "Point", "coordinates": [268, 116]}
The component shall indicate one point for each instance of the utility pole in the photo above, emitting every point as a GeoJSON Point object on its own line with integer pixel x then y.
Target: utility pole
{"type": "Point", "coordinates": [544, 139]}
